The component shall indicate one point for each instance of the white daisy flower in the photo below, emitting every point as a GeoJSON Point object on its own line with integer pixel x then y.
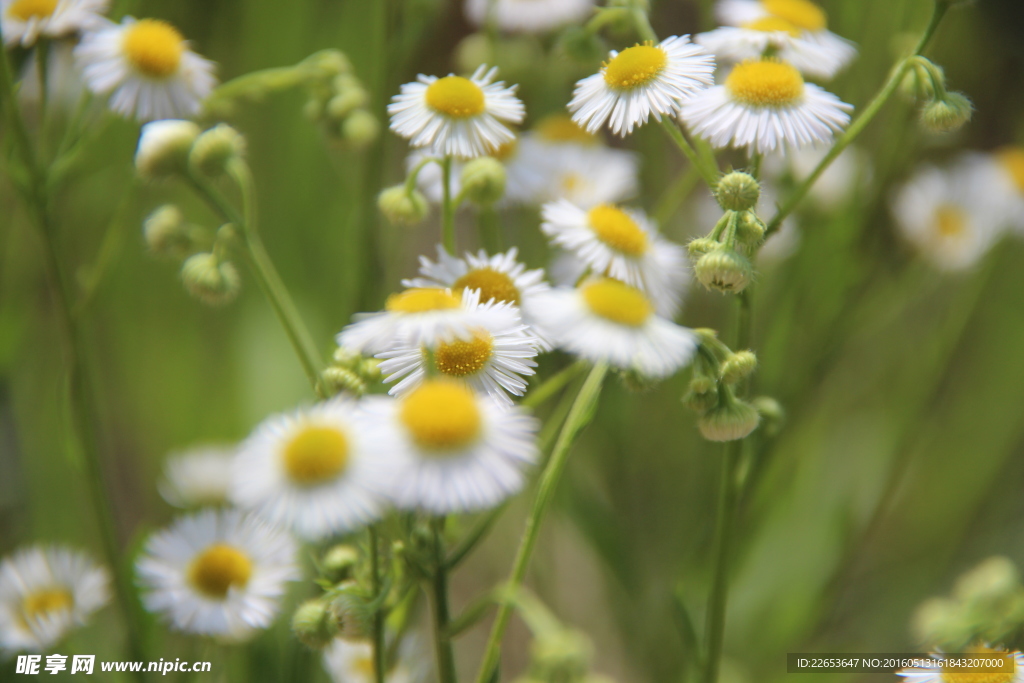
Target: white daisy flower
{"type": "Point", "coordinates": [528, 16]}
{"type": "Point", "coordinates": [314, 471]}
{"type": "Point", "coordinates": [457, 116]}
{"type": "Point", "coordinates": [500, 277]}
{"type": "Point", "coordinates": [25, 21]}
{"type": "Point", "coordinates": [810, 53]}
{"type": "Point", "coordinates": [351, 661]}
{"type": "Point", "coordinates": [641, 81]}
{"type": "Point", "coordinates": [198, 477]}
{"type": "Point", "coordinates": [64, 85]}
{"type": "Point", "coordinates": [763, 105]}
{"type": "Point", "coordinates": [44, 593]}
{"type": "Point", "coordinates": [147, 68]}
{"type": "Point", "coordinates": [425, 316]}
{"type": "Point", "coordinates": [584, 175]}
{"type": "Point", "coordinates": [217, 573]}
{"type": "Point", "coordinates": [623, 244]}
{"type": "Point", "coordinates": [1001, 176]}
{"type": "Point", "coordinates": [607, 320]}
{"type": "Point", "coordinates": [461, 451]}
{"type": "Point", "coordinates": [803, 16]}
{"type": "Point", "coordinates": [943, 215]}
{"type": "Point", "coordinates": [937, 674]}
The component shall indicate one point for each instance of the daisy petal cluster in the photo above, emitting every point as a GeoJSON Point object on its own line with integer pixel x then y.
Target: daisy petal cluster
{"type": "Point", "coordinates": [45, 592]}
{"type": "Point", "coordinates": [26, 21]}
{"type": "Point", "coordinates": [528, 16]}
{"type": "Point", "coordinates": [198, 477]}
{"type": "Point", "coordinates": [640, 82]}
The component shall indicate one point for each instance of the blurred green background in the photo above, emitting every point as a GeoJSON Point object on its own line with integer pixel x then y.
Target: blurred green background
{"type": "Point", "coordinates": [900, 465]}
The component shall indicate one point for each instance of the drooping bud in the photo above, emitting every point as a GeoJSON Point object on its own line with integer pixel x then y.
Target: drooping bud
{"type": "Point", "coordinates": [730, 420]}
{"type": "Point", "coordinates": [350, 610]}
{"type": "Point", "coordinates": [948, 114]}
{"type": "Point", "coordinates": [750, 229]}
{"type": "Point", "coordinates": [701, 246]}
{"type": "Point", "coordinates": [164, 148]}
{"type": "Point", "coordinates": [167, 233]}
{"type": "Point", "coordinates": [212, 281]}
{"type": "Point", "coordinates": [346, 102]}
{"type": "Point", "coordinates": [738, 366]}
{"type": "Point", "coordinates": [314, 624]}
{"type": "Point", "coordinates": [401, 207]}
{"type": "Point", "coordinates": [483, 180]}
{"type": "Point", "coordinates": [724, 269]}
{"type": "Point", "coordinates": [339, 562]}
{"type": "Point", "coordinates": [360, 128]}
{"type": "Point", "coordinates": [772, 414]}
{"type": "Point", "coordinates": [738, 191]}
{"type": "Point", "coordinates": [215, 149]}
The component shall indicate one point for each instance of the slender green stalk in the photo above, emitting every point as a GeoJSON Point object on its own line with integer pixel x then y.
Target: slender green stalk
{"type": "Point", "coordinates": [447, 207]}
{"type": "Point", "coordinates": [580, 414]}
{"type": "Point", "coordinates": [490, 229]}
{"type": "Point", "coordinates": [378, 615]}
{"type": "Point", "coordinates": [709, 174]}
{"type": "Point", "coordinates": [442, 631]}
{"type": "Point", "coordinates": [552, 385]}
{"type": "Point", "coordinates": [674, 195]}
{"type": "Point", "coordinates": [862, 121]}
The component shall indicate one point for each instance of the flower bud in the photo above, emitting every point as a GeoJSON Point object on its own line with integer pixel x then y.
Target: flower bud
{"type": "Point", "coordinates": [738, 366]}
{"type": "Point", "coordinates": [724, 269]}
{"type": "Point", "coordinates": [361, 128]}
{"type": "Point", "coordinates": [167, 233]}
{"type": "Point", "coordinates": [730, 420]}
{"type": "Point", "coordinates": [314, 625]}
{"type": "Point", "coordinates": [164, 147]}
{"type": "Point", "coordinates": [210, 280]}
{"type": "Point", "coordinates": [483, 180]}
{"type": "Point", "coordinates": [750, 229]}
{"type": "Point", "coordinates": [351, 611]}
{"type": "Point", "coordinates": [702, 245]}
{"type": "Point", "coordinates": [342, 379]}
{"type": "Point", "coordinates": [995, 579]}
{"type": "Point", "coordinates": [215, 149]}
{"type": "Point", "coordinates": [401, 207]}
{"type": "Point", "coordinates": [948, 114]}
{"type": "Point", "coordinates": [339, 562]}
{"type": "Point", "coordinates": [700, 402]}
{"type": "Point", "coordinates": [737, 191]}
{"type": "Point", "coordinates": [347, 101]}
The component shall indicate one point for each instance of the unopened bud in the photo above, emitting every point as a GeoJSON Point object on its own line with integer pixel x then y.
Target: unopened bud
{"type": "Point", "coordinates": [351, 611]}
{"type": "Point", "coordinates": [702, 245]}
{"type": "Point", "coordinates": [724, 269]}
{"type": "Point", "coordinates": [210, 280]}
{"type": "Point", "coordinates": [339, 562]}
{"type": "Point", "coordinates": [737, 191]}
{"type": "Point", "coordinates": [215, 149]}
{"type": "Point", "coordinates": [347, 101]}
{"type": "Point", "coordinates": [164, 148]}
{"type": "Point", "coordinates": [730, 420]}
{"type": "Point", "coordinates": [167, 233]}
{"type": "Point", "coordinates": [401, 207]}
{"type": "Point", "coordinates": [948, 114]}
{"type": "Point", "coordinates": [483, 180]}
{"type": "Point", "coordinates": [738, 366]}
{"type": "Point", "coordinates": [750, 229]}
{"type": "Point", "coordinates": [701, 402]}
{"type": "Point", "coordinates": [342, 379]}
{"type": "Point", "coordinates": [361, 128]}
{"type": "Point", "coordinates": [314, 625]}
{"type": "Point", "coordinates": [995, 579]}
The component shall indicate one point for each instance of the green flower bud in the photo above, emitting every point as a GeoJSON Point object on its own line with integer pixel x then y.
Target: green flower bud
{"type": "Point", "coordinates": [750, 229]}
{"type": "Point", "coordinates": [730, 420]}
{"type": "Point", "coordinates": [347, 101]}
{"type": "Point", "coordinates": [401, 207]}
{"type": "Point", "coordinates": [167, 233]}
{"type": "Point", "coordinates": [215, 149]}
{"type": "Point", "coordinates": [210, 280]}
{"type": "Point", "coordinates": [483, 180]}
{"type": "Point", "coordinates": [342, 379]}
{"type": "Point", "coordinates": [701, 402]}
{"type": "Point", "coordinates": [328, 62]}
{"type": "Point", "coordinates": [314, 625]}
{"type": "Point", "coordinates": [738, 366]}
{"type": "Point", "coordinates": [724, 269]}
{"type": "Point", "coordinates": [339, 562]}
{"type": "Point", "coordinates": [995, 579]}
{"type": "Point", "coordinates": [361, 128]}
{"type": "Point", "coordinates": [737, 191]}
{"type": "Point", "coordinates": [350, 610]}
{"type": "Point", "coordinates": [563, 655]}
{"type": "Point", "coordinates": [164, 148]}
{"type": "Point", "coordinates": [948, 114]}
{"type": "Point", "coordinates": [702, 245]}
{"type": "Point", "coordinates": [772, 413]}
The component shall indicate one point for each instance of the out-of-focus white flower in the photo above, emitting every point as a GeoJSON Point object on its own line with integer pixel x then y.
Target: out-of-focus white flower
{"type": "Point", "coordinates": [198, 477]}
{"type": "Point", "coordinates": [528, 16]}
{"type": "Point", "coordinates": [24, 21]}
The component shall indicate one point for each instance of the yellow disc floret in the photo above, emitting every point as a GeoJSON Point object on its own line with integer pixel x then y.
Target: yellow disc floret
{"type": "Point", "coordinates": [618, 302]}
{"type": "Point", "coordinates": [421, 300]}
{"type": "Point", "coordinates": [1012, 160]}
{"type": "Point", "coordinates": [772, 25]}
{"type": "Point", "coordinates": [765, 83]}
{"type": "Point", "coordinates": [464, 358]}
{"type": "Point", "coordinates": [561, 128]}
{"type": "Point", "coordinates": [315, 454]}
{"type": "Point", "coordinates": [43, 603]}
{"type": "Point", "coordinates": [441, 415]}
{"type": "Point", "coordinates": [614, 227]}
{"type": "Point", "coordinates": [25, 10]}
{"type": "Point", "coordinates": [635, 66]}
{"type": "Point", "coordinates": [801, 13]}
{"type": "Point", "coordinates": [215, 570]}
{"type": "Point", "coordinates": [492, 284]}
{"type": "Point", "coordinates": [950, 220]}
{"type": "Point", "coordinates": [455, 96]}
{"type": "Point", "coordinates": [153, 47]}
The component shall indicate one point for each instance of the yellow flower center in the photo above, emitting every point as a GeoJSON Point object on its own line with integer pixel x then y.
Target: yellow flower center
{"type": "Point", "coordinates": [463, 358]}
{"type": "Point", "coordinates": [421, 300]}
{"type": "Point", "coordinates": [315, 455]}
{"type": "Point", "coordinates": [765, 83]}
{"type": "Point", "coordinates": [455, 96]}
{"type": "Point", "coordinates": [801, 13]}
{"type": "Point", "coordinates": [153, 47]}
{"type": "Point", "coordinates": [218, 568]}
{"type": "Point", "coordinates": [618, 302]}
{"type": "Point", "coordinates": [950, 221]}
{"type": "Point", "coordinates": [441, 414]}
{"type": "Point", "coordinates": [561, 128]}
{"type": "Point", "coordinates": [45, 602]}
{"type": "Point", "coordinates": [773, 24]}
{"type": "Point", "coordinates": [571, 182]}
{"type": "Point", "coordinates": [23, 10]}
{"type": "Point", "coordinates": [635, 66]}
{"type": "Point", "coordinates": [614, 227]}
{"type": "Point", "coordinates": [1012, 159]}
{"type": "Point", "coordinates": [492, 284]}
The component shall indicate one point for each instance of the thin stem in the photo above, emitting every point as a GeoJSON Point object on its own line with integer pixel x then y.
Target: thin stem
{"type": "Point", "coordinates": [378, 615]}
{"type": "Point", "coordinates": [674, 195]}
{"type": "Point", "coordinates": [718, 597]}
{"type": "Point", "coordinates": [580, 414]}
{"type": "Point", "coordinates": [442, 633]}
{"type": "Point", "coordinates": [490, 229]}
{"type": "Point", "coordinates": [447, 207]}
{"type": "Point", "coordinates": [862, 121]}
{"type": "Point", "coordinates": [709, 174]}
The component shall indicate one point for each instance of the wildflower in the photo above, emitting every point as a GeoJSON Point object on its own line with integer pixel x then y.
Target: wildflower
{"type": "Point", "coordinates": [25, 21]}
{"type": "Point", "coordinates": [460, 451]}
{"type": "Point", "coordinates": [529, 16]}
{"type": "Point", "coordinates": [623, 244]}
{"type": "Point", "coordinates": [641, 81]}
{"type": "Point", "coordinates": [164, 148]}
{"type": "Point", "coordinates": [217, 573]}
{"type": "Point", "coordinates": [198, 477]}
{"type": "Point", "coordinates": [44, 593]}
{"type": "Point", "coordinates": [402, 207]}
{"type": "Point", "coordinates": [147, 68]}
{"type": "Point", "coordinates": [604, 319]}
{"type": "Point", "coordinates": [315, 471]}
{"type": "Point", "coordinates": [457, 116]}
{"type": "Point", "coordinates": [351, 661]}
{"type": "Point", "coordinates": [763, 105]}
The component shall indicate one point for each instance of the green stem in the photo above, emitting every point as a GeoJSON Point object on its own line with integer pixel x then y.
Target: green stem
{"type": "Point", "coordinates": [580, 414]}
{"type": "Point", "coordinates": [447, 207]}
{"type": "Point", "coordinates": [490, 229]}
{"type": "Point", "coordinates": [674, 195]}
{"type": "Point", "coordinates": [442, 632]}
{"type": "Point", "coordinates": [378, 615]}
{"type": "Point", "coordinates": [862, 121]}
{"type": "Point", "coordinates": [552, 385]}
{"type": "Point", "coordinates": [709, 174]}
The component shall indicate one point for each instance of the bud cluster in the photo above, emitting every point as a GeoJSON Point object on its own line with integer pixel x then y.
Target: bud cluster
{"type": "Point", "coordinates": [340, 104]}
{"type": "Point", "coordinates": [351, 372]}
{"type": "Point", "coordinates": [345, 608]}
{"type": "Point", "coordinates": [722, 258]}
{"type": "Point", "coordinates": [942, 110]}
